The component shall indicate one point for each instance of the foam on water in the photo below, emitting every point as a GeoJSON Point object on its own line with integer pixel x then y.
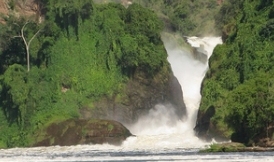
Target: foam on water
{"type": "Point", "coordinates": [205, 43]}
{"type": "Point", "coordinates": [160, 130]}
{"type": "Point", "coordinates": [90, 153]}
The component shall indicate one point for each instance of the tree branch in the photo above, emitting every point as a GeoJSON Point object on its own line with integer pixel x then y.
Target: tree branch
{"type": "Point", "coordinates": [17, 36]}
{"type": "Point", "coordinates": [33, 37]}
{"type": "Point", "coordinates": [22, 34]}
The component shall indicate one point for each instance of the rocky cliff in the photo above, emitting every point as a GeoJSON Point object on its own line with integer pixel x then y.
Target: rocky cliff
{"type": "Point", "coordinates": [142, 93]}
{"type": "Point", "coordinates": [29, 8]}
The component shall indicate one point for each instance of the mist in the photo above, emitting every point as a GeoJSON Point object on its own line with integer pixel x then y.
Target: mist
{"type": "Point", "coordinates": [159, 128]}
{"type": "Point", "coordinates": [189, 65]}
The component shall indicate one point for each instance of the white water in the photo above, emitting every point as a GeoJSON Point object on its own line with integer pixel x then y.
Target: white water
{"type": "Point", "coordinates": [158, 134]}
{"type": "Point", "coordinates": [92, 153]}
{"type": "Point", "coordinates": [159, 128]}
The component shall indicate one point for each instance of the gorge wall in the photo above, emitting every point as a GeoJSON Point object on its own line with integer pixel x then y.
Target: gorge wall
{"type": "Point", "coordinates": [142, 93]}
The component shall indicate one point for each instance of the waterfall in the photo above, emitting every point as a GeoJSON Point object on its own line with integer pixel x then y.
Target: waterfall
{"type": "Point", "coordinates": [159, 128]}
{"type": "Point", "coordinates": [189, 65]}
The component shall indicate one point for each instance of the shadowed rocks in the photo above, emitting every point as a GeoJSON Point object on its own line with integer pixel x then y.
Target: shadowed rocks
{"type": "Point", "coordinates": [75, 131]}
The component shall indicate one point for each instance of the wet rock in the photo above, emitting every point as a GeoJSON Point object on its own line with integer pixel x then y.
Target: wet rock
{"type": "Point", "coordinates": [75, 131]}
{"type": "Point", "coordinates": [203, 124]}
{"type": "Point", "coordinates": [206, 130]}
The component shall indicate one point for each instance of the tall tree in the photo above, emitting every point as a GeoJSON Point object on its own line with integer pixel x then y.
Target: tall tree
{"type": "Point", "coordinates": [27, 43]}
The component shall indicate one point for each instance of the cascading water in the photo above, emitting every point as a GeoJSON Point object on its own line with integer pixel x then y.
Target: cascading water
{"type": "Point", "coordinates": [159, 129]}
{"type": "Point", "coordinates": [190, 68]}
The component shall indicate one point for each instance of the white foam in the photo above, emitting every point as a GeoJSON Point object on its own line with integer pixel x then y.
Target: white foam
{"type": "Point", "coordinates": [115, 153]}
{"type": "Point", "coordinates": [189, 71]}
{"type": "Point", "coordinates": [206, 43]}
{"type": "Point", "coordinates": [159, 128]}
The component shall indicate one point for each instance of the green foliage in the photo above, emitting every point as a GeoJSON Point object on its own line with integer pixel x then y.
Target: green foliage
{"type": "Point", "coordinates": [227, 16]}
{"type": "Point", "coordinates": [84, 52]}
{"type": "Point", "coordinates": [13, 48]}
{"type": "Point", "coordinates": [188, 17]}
{"type": "Point", "coordinates": [225, 147]}
{"type": "Point", "coordinates": [140, 44]}
{"type": "Point", "coordinates": [239, 83]}
{"type": "Point", "coordinates": [14, 83]}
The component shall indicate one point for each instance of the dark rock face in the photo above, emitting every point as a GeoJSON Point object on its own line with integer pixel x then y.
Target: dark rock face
{"type": "Point", "coordinates": [203, 124]}
{"type": "Point", "coordinates": [175, 96]}
{"type": "Point", "coordinates": [74, 131]}
{"type": "Point", "coordinates": [142, 93]}
{"type": "Point", "coordinates": [205, 129]}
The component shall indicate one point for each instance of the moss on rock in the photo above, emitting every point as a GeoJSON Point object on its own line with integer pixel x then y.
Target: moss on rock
{"type": "Point", "coordinates": [75, 131]}
{"type": "Point", "coordinates": [235, 147]}
{"type": "Point", "coordinates": [225, 147]}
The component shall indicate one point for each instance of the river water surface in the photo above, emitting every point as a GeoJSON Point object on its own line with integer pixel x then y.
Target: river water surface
{"type": "Point", "coordinates": [91, 153]}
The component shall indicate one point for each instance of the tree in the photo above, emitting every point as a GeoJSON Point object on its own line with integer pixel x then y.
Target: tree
{"type": "Point", "coordinates": [15, 93]}
{"type": "Point", "coordinates": [27, 43]}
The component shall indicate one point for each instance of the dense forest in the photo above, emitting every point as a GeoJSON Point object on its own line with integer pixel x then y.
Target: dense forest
{"type": "Point", "coordinates": [239, 85]}
{"type": "Point", "coordinates": [82, 51]}
{"type": "Point", "coordinates": [188, 17]}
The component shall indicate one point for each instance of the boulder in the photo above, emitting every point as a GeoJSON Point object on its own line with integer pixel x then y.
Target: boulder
{"type": "Point", "coordinates": [77, 131]}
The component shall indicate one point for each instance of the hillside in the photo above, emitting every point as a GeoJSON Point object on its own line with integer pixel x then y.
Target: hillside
{"type": "Point", "coordinates": [83, 61]}
{"type": "Point", "coordinates": [187, 17]}
{"type": "Point", "coordinates": [238, 88]}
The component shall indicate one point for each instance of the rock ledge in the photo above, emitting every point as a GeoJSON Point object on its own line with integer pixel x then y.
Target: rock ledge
{"type": "Point", "coordinates": [79, 131]}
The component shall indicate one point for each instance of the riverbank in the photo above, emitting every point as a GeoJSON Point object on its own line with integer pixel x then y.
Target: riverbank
{"type": "Point", "coordinates": [235, 147]}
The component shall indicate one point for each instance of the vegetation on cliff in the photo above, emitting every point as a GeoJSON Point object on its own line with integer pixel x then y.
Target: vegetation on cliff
{"type": "Point", "coordinates": [82, 52]}
{"type": "Point", "coordinates": [187, 17]}
{"type": "Point", "coordinates": [85, 52]}
{"type": "Point", "coordinates": [239, 84]}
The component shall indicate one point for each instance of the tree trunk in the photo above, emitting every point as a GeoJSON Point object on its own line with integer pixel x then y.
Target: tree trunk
{"type": "Point", "coordinates": [27, 44]}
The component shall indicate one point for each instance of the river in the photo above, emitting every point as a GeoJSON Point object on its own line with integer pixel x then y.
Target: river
{"type": "Point", "coordinates": [159, 136]}
{"type": "Point", "coordinates": [91, 153]}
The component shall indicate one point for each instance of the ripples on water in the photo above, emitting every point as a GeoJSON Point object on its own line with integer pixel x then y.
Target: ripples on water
{"type": "Point", "coordinates": [90, 153]}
